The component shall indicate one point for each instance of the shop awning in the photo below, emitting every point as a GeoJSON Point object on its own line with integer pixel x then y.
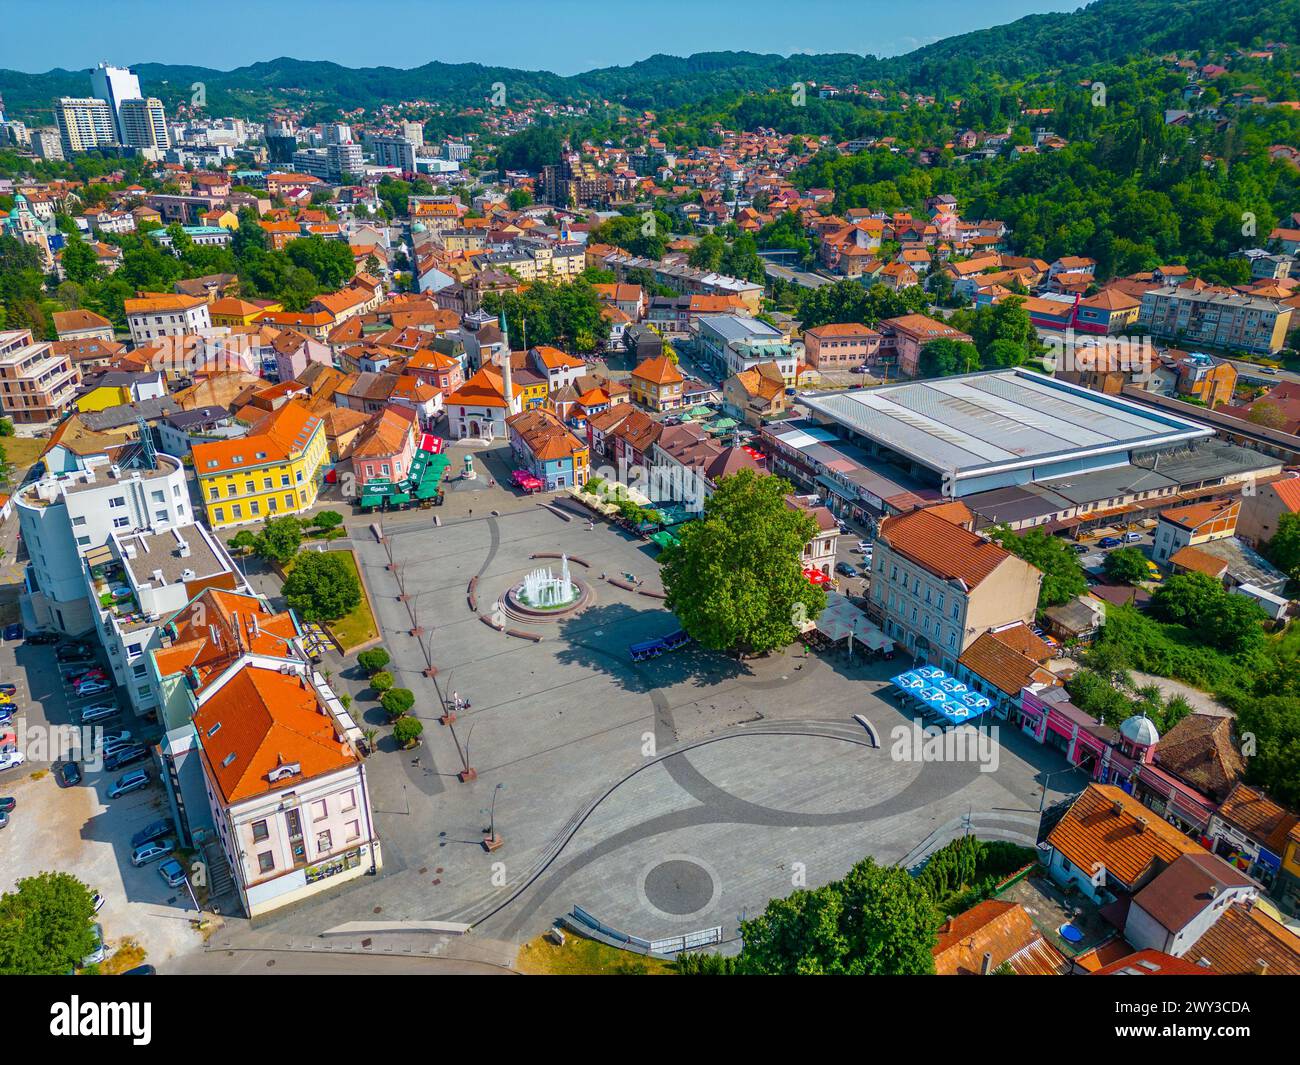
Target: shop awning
{"type": "Point", "coordinates": [371, 500]}
{"type": "Point", "coordinates": [398, 499]}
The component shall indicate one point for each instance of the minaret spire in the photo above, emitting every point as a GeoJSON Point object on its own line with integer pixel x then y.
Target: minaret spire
{"type": "Point", "coordinates": [507, 386]}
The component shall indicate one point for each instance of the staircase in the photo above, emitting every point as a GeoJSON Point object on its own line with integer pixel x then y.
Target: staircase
{"type": "Point", "coordinates": [220, 881]}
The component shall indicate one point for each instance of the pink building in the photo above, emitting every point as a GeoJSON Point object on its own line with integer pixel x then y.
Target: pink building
{"type": "Point", "coordinates": [385, 448]}
{"type": "Point", "coordinates": [841, 346]}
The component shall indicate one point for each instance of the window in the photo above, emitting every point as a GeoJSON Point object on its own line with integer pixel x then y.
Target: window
{"type": "Point", "coordinates": [219, 515]}
{"type": "Point", "coordinates": [253, 508]}
{"type": "Point", "coordinates": [139, 669]}
{"type": "Point", "coordinates": [266, 861]}
{"type": "Point", "coordinates": [83, 541]}
{"type": "Point", "coordinates": [117, 501]}
{"type": "Point", "coordinates": [260, 831]}
{"type": "Point", "coordinates": [161, 517]}
{"type": "Point", "coordinates": [134, 650]}
{"type": "Point", "coordinates": [354, 830]}
{"type": "Point", "coordinates": [236, 512]}
{"type": "Point", "coordinates": [121, 523]}
{"type": "Point", "coordinates": [349, 801]}
{"type": "Point", "coordinates": [319, 810]}
{"type": "Point", "coordinates": [214, 493]}
{"type": "Point", "coordinates": [160, 497]}
{"type": "Point", "coordinates": [78, 521]}
{"type": "Point", "coordinates": [324, 842]}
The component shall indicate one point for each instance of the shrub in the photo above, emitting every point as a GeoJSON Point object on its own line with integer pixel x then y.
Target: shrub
{"type": "Point", "coordinates": [407, 730]}
{"type": "Point", "coordinates": [373, 661]}
{"type": "Point", "coordinates": [397, 701]}
{"type": "Point", "coordinates": [381, 681]}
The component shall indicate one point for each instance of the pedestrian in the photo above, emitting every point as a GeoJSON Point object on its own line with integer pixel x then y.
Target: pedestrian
{"type": "Point", "coordinates": [455, 700]}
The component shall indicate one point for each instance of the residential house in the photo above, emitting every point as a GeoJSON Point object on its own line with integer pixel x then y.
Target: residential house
{"type": "Point", "coordinates": [657, 384]}
{"type": "Point", "coordinates": [549, 450]}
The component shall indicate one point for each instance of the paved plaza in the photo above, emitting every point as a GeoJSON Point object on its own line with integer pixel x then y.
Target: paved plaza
{"type": "Point", "coordinates": [661, 797]}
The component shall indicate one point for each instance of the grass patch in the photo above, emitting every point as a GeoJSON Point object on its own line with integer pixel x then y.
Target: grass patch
{"type": "Point", "coordinates": [585, 957]}
{"type": "Point", "coordinates": [358, 626]}
{"type": "Point", "coordinates": [22, 451]}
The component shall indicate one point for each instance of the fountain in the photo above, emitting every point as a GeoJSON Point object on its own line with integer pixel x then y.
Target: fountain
{"type": "Point", "coordinates": [542, 590]}
{"type": "Point", "coordinates": [542, 596]}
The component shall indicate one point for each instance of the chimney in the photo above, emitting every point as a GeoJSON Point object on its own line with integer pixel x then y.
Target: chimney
{"type": "Point", "coordinates": [986, 965]}
{"type": "Point", "coordinates": [1117, 807]}
{"type": "Point", "coordinates": [1142, 824]}
{"type": "Point", "coordinates": [1261, 967]}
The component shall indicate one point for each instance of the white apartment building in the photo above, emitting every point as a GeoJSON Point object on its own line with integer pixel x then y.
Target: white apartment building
{"type": "Point", "coordinates": [138, 580]}
{"type": "Point", "coordinates": [115, 85]}
{"type": "Point", "coordinates": [66, 515]}
{"type": "Point", "coordinates": [164, 314]}
{"type": "Point", "coordinates": [85, 122]}
{"type": "Point", "coordinates": [144, 123]}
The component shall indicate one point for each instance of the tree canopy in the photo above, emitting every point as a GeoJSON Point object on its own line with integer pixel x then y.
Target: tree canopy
{"type": "Point", "coordinates": [736, 580]}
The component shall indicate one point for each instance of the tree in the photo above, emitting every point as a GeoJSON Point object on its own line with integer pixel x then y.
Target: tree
{"type": "Point", "coordinates": [322, 587]}
{"type": "Point", "coordinates": [45, 926]}
{"type": "Point", "coordinates": [736, 581]}
{"type": "Point", "coordinates": [1127, 565]}
{"type": "Point", "coordinates": [1273, 724]}
{"type": "Point", "coordinates": [1283, 550]}
{"type": "Point", "coordinates": [381, 681]}
{"type": "Point", "coordinates": [1063, 577]}
{"type": "Point", "coordinates": [939, 358]}
{"type": "Point", "coordinates": [407, 730]}
{"type": "Point", "coordinates": [1218, 617]}
{"type": "Point", "coordinates": [373, 661]}
{"type": "Point", "coordinates": [327, 520]}
{"type": "Point", "coordinates": [279, 539]}
{"type": "Point", "coordinates": [397, 701]}
{"type": "Point", "coordinates": [877, 921]}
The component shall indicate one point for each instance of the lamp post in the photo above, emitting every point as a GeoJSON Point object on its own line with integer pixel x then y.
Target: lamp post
{"type": "Point", "coordinates": [493, 840]}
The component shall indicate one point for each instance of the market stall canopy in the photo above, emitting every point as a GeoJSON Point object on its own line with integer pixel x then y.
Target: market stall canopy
{"type": "Point", "coordinates": [841, 617]}
{"type": "Point", "coordinates": [943, 695]}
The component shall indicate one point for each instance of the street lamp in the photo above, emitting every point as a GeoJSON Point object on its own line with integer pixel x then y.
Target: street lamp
{"type": "Point", "coordinates": [493, 840]}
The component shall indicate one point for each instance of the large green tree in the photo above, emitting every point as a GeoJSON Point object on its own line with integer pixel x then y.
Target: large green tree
{"type": "Point", "coordinates": [45, 926]}
{"type": "Point", "coordinates": [1063, 577]}
{"type": "Point", "coordinates": [877, 921]}
{"type": "Point", "coordinates": [322, 586]}
{"type": "Point", "coordinates": [736, 580]}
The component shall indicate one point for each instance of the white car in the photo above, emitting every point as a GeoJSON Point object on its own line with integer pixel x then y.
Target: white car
{"type": "Point", "coordinates": [100, 952]}
{"type": "Point", "coordinates": [92, 687]}
{"type": "Point", "coordinates": [865, 546]}
{"type": "Point", "coordinates": [11, 759]}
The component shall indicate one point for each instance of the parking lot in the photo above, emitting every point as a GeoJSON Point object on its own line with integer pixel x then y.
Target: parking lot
{"type": "Point", "coordinates": [77, 829]}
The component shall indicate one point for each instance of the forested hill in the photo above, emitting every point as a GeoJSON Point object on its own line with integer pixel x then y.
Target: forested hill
{"type": "Point", "coordinates": [1105, 31]}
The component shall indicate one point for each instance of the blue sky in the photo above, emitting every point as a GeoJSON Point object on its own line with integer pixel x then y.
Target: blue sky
{"type": "Point", "coordinates": [565, 36]}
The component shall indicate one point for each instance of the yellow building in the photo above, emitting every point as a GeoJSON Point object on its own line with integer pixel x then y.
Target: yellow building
{"type": "Point", "coordinates": [275, 470]}
{"type": "Point", "coordinates": [230, 310]}
{"type": "Point", "coordinates": [103, 397]}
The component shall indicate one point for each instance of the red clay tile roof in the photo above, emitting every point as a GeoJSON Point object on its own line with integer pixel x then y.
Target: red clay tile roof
{"type": "Point", "coordinates": [1004, 931]}
{"type": "Point", "coordinates": [945, 549]}
{"type": "Point", "coordinates": [1092, 831]}
{"type": "Point", "coordinates": [1258, 816]}
{"type": "Point", "coordinates": [1200, 751]}
{"type": "Point", "coordinates": [1003, 666]}
{"type": "Point", "coordinates": [1151, 963]}
{"type": "Point", "coordinates": [1241, 939]}
{"type": "Point", "coordinates": [261, 720]}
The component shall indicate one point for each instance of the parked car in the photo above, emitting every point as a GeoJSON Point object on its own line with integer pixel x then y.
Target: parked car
{"type": "Point", "coordinates": [98, 901]}
{"type": "Point", "coordinates": [1081, 549]}
{"type": "Point", "coordinates": [141, 970]}
{"type": "Point", "coordinates": [129, 782]}
{"type": "Point", "coordinates": [126, 756]}
{"type": "Point", "coordinates": [11, 759]}
{"type": "Point", "coordinates": [151, 852]}
{"type": "Point", "coordinates": [67, 774]}
{"type": "Point", "coordinates": [89, 674]}
{"type": "Point", "coordinates": [173, 872]}
{"type": "Point", "coordinates": [152, 831]}
{"type": "Point", "coordinates": [43, 637]}
{"type": "Point", "coordinates": [13, 631]}
{"type": "Point", "coordinates": [98, 712]}
{"type": "Point", "coordinates": [4, 819]}
{"type": "Point", "coordinates": [1132, 537]}
{"type": "Point", "coordinates": [8, 688]}
{"type": "Point", "coordinates": [100, 952]}
{"type": "Point", "coordinates": [92, 687]}
{"type": "Point", "coordinates": [7, 713]}
{"type": "Point", "coordinates": [845, 570]}
{"type": "Point", "coordinates": [1107, 542]}
{"type": "Point", "coordinates": [74, 652]}
{"type": "Point", "coordinates": [7, 803]}
{"type": "Point", "coordinates": [865, 546]}
{"type": "Point", "coordinates": [113, 746]}
{"type": "Point", "coordinates": [117, 736]}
